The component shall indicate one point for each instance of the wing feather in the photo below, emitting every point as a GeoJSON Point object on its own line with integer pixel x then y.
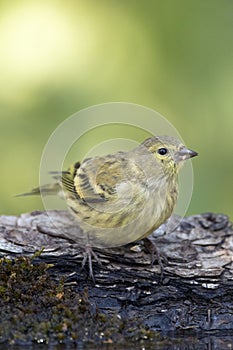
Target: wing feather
{"type": "Point", "coordinates": [97, 178]}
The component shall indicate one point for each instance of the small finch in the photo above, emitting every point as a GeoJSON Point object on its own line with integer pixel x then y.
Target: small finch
{"type": "Point", "coordinates": [121, 198]}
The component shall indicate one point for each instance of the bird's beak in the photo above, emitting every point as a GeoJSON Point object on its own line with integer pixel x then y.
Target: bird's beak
{"type": "Point", "coordinates": [184, 154]}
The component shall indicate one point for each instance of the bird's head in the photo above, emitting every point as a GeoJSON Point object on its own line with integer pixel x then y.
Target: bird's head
{"type": "Point", "coordinates": [169, 152]}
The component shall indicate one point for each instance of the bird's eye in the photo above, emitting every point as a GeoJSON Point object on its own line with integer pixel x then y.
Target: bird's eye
{"type": "Point", "coordinates": [162, 151]}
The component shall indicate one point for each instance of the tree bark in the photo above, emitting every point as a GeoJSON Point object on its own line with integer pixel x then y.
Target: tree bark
{"type": "Point", "coordinates": [194, 293]}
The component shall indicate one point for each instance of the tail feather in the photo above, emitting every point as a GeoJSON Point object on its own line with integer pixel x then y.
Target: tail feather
{"type": "Point", "coordinates": [49, 189]}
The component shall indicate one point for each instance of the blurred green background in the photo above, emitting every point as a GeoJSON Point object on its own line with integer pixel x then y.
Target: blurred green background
{"type": "Point", "coordinates": [174, 56]}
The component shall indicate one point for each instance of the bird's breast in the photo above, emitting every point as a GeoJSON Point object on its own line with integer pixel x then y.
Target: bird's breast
{"type": "Point", "coordinates": [128, 218]}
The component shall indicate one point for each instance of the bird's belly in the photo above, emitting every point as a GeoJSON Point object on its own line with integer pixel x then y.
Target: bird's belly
{"type": "Point", "coordinates": [109, 228]}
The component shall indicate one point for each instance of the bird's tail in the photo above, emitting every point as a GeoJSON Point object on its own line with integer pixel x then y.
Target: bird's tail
{"type": "Point", "coordinates": [49, 189]}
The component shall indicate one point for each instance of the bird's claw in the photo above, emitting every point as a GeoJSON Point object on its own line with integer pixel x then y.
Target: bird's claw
{"type": "Point", "coordinates": [155, 254]}
{"type": "Point", "coordinates": [87, 255]}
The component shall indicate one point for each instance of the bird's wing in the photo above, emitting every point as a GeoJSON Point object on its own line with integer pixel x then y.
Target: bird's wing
{"type": "Point", "coordinates": [97, 178]}
{"type": "Point", "coordinates": [67, 178]}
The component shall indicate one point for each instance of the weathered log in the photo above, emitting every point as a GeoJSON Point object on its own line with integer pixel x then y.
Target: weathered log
{"type": "Point", "coordinates": [194, 294]}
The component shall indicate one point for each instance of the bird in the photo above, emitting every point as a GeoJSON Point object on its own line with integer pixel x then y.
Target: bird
{"type": "Point", "coordinates": [121, 198]}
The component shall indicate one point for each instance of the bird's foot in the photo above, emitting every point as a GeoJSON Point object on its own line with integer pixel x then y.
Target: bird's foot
{"type": "Point", "coordinates": [155, 254]}
{"type": "Point", "coordinates": [87, 256]}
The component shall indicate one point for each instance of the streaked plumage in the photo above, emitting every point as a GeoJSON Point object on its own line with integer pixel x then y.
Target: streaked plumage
{"type": "Point", "coordinates": [121, 198]}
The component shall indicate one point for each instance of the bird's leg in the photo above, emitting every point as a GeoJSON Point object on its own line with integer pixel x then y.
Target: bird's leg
{"type": "Point", "coordinates": [89, 253]}
{"type": "Point", "coordinates": [153, 250]}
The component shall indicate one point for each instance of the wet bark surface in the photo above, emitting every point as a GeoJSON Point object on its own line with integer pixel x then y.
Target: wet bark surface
{"type": "Point", "coordinates": [195, 293]}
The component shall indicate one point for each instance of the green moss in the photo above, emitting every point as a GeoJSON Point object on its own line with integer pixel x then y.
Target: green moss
{"type": "Point", "coordinates": [35, 308]}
